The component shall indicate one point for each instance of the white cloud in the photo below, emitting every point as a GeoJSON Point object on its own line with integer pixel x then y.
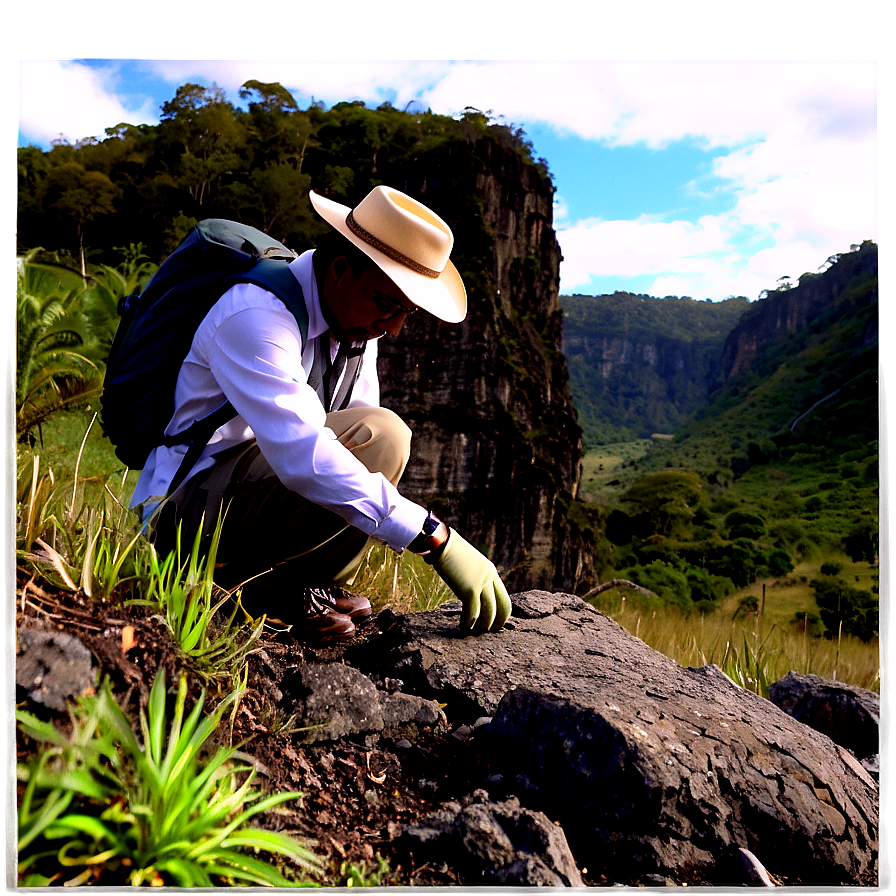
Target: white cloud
{"type": "Point", "coordinates": [802, 185]}
{"type": "Point", "coordinates": [643, 246]}
{"type": "Point", "coordinates": [719, 103]}
{"type": "Point", "coordinates": [73, 100]}
{"type": "Point", "coordinates": [800, 173]}
{"type": "Point", "coordinates": [374, 81]}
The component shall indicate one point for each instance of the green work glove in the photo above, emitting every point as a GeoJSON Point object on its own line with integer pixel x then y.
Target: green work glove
{"type": "Point", "coordinates": [474, 579]}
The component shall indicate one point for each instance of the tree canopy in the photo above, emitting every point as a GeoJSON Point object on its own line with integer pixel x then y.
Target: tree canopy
{"type": "Point", "coordinates": [147, 185]}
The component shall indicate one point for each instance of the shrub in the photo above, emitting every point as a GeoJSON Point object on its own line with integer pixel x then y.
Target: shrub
{"type": "Point", "coordinates": [778, 562]}
{"type": "Point", "coordinates": [707, 587]}
{"type": "Point", "coordinates": [788, 533]}
{"type": "Point", "coordinates": [862, 542]}
{"type": "Point", "coordinates": [58, 358]}
{"type": "Point", "coordinates": [663, 579]}
{"type": "Point", "coordinates": [747, 606]}
{"type": "Point", "coordinates": [738, 560]}
{"type": "Point", "coordinates": [99, 806]}
{"type": "Point", "coordinates": [809, 622]}
{"type": "Point", "coordinates": [722, 504]}
{"type": "Point", "coordinates": [853, 611]}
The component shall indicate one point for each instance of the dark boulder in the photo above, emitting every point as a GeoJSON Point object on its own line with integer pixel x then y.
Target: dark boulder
{"type": "Point", "coordinates": [848, 715]}
{"type": "Point", "coordinates": [330, 701]}
{"type": "Point", "coordinates": [659, 769]}
{"type": "Point", "coordinates": [495, 843]}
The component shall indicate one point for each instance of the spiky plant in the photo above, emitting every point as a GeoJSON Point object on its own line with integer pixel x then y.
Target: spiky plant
{"type": "Point", "coordinates": [58, 360]}
{"type": "Point", "coordinates": [101, 805]}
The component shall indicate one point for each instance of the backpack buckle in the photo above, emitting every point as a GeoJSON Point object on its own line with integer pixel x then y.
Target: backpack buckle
{"type": "Point", "coordinates": [126, 306]}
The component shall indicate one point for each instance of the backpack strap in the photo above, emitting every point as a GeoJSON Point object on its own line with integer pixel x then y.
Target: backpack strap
{"type": "Point", "coordinates": [276, 277]}
{"type": "Point", "coordinates": [354, 356]}
{"type": "Point", "coordinates": [198, 434]}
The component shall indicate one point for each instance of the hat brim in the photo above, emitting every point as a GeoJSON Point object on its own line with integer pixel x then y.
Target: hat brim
{"type": "Point", "coordinates": [444, 297]}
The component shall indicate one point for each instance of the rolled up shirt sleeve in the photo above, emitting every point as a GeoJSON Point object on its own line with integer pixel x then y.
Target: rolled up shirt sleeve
{"type": "Point", "coordinates": [255, 356]}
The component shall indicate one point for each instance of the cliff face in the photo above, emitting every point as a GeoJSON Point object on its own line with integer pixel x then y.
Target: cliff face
{"type": "Point", "coordinates": [640, 365]}
{"type": "Point", "coordinates": [497, 446]}
{"type": "Point", "coordinates": [783, 313]}
{"type": "Point", "coordinates": [670, 378]}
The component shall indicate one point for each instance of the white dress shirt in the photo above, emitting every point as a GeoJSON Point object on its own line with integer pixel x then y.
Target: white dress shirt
{"type": "Point", "coordinates": [248, 349]}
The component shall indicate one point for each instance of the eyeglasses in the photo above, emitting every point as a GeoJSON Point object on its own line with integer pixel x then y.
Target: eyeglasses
{"type": "Point", "coordinates": [390, 307]}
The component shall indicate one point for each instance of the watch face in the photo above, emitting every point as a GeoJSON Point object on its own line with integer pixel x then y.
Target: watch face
{"type": "Point", "coordinates": [430, 524]}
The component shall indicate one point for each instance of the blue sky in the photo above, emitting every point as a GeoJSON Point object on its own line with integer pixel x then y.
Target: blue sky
{"type": "Point", "coordinates": [677, 177]}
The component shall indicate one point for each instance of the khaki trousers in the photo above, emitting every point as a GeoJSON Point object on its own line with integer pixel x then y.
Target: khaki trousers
{"type": "Point", "coordinates": [271, 535]}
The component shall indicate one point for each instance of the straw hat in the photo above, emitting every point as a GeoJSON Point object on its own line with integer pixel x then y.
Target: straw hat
{"type": "Point", "coordinates": [409, 243]}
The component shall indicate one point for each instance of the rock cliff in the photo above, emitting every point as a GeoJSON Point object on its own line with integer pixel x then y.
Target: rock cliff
{"type": "Point", "coordinates": [640, 365]}
{"type": "Point", "coordinates": [849, 284]}
{"type": "Point", "coordinates": [497, 445]}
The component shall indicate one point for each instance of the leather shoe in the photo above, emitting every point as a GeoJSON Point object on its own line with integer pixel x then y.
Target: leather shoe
{"type": "Point", "coordinates": [355, 606]}
{"type": "Point", "coordinates": [324, 628]}
{"type": "Point", "coordinates": [318, 623]}
{"type": "Point", "coordinates": [352, 605]}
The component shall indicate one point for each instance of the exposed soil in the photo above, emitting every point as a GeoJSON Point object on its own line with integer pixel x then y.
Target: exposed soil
{"type": "Point", "coordinates": [357, 794]}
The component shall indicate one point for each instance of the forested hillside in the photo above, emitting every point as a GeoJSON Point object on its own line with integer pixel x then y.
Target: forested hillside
{"type": "Point", "coordinates": [806, 388]}
{"type": "Point", "coordinates": [785, 455]}
{"type": "Point", "coordinates": [640, 365]}
{"type": "Point", "coordinates": [208, 158]}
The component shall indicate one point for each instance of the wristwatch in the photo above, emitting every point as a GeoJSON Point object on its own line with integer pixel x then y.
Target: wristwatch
{"type": "Point", "coordinates": [432, 538]}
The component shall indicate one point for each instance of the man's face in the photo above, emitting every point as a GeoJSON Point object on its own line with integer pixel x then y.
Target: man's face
{"type": "Point", "coordinates": [365, 307]}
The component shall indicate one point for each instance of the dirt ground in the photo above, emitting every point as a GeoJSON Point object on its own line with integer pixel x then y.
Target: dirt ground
{"type": "Point", "coordinates": [356, 794]}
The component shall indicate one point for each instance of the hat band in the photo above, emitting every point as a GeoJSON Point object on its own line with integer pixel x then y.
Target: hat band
{"type": "Point", "coordinates": [394, 254]}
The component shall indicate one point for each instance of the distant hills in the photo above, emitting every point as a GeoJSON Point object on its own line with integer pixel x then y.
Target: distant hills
{"type": "Point", "coordinates": [640, 365]}
{"type": "Point", "coordinates": [789, 426]}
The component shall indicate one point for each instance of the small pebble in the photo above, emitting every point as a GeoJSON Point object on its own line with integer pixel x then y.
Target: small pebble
{"type": "Point", "coordinates": [462, 732]}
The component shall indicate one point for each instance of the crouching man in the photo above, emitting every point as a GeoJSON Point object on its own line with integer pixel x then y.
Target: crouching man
{"type": "Point", "coordinates": [307, 469]}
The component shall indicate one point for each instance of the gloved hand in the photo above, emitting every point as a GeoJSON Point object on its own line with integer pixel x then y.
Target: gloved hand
{"type": "Point", "coordinates": [474, 579]}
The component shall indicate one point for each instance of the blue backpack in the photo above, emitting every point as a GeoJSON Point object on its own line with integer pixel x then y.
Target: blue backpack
{"type": "Point", "coordinates": [157, 328]}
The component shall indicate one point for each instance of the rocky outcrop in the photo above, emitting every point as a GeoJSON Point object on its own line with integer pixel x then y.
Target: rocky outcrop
{"type": "Point", "coordinates": [498, 843]}
{"type": "Point", "coordinates": [784, 312]}
{"type": "Point", "coordinates": [497, 446]}
{"type": "Point", "coordinates": [848, 715]}
{"type": "Point", "coordinates": [333, 701]}
{"type": "Point", "coordinates": [53, 667]}
{"type": "Point", "coordinates": [559, 751]}
{"type": "Point", "coordinates": [650, 768]}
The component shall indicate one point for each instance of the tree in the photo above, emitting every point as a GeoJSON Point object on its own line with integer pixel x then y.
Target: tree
{"type": "Point", "coordinates": [744, 525]}
{"type": "Point", "coordinates": [852, 610]}
{"type": "Point", "coordinates": [669, 500]}
{"type": "Point", "coordinates": [278, 132]}
{"type": "Point", "coordinates": [862, 542]}
{"type": "Point", "coordinates": [201, 138]}
{"type": "Point", "coordinates": [778, 562]}
{"type": "Point", "coordinates": [739, 560]}
{"type": "Point", "coordinates": [79, 196]}
{"type": "Point", "coordinates": [275, 191]}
